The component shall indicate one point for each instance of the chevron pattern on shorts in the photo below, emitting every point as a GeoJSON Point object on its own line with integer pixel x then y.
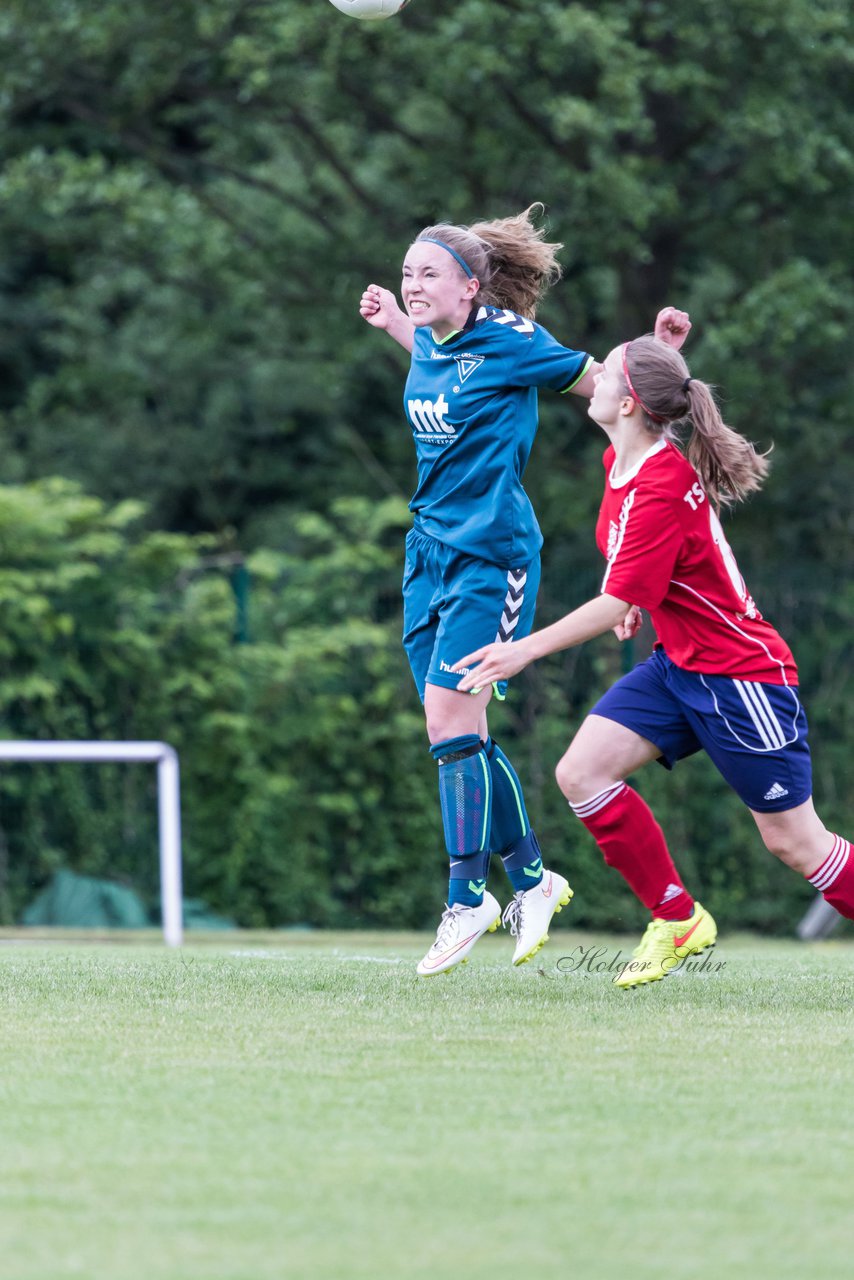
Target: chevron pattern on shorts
{"type": "Point", "coordinates": [513, 601]}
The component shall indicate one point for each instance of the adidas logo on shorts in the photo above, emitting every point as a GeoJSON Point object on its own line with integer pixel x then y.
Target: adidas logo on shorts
{"type": "Point", "coordinates": [775, 792]}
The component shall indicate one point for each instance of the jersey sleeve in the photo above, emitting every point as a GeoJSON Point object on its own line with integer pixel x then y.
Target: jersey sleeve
{"type": "Point", "coordinates": [541, 361]}
{"type": "Point", "coordinates": [643, 549]}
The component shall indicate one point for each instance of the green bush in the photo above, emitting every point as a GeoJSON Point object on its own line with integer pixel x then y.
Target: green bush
{"type": "Point", "coordinates": [309, 796]}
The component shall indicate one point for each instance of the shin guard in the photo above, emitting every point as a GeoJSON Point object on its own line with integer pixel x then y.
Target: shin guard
{"type": "Point", "coordinates": [465, 795]}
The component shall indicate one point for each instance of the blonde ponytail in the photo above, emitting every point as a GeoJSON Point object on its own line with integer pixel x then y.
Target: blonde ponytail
{"type": "Point", "coordinates": [511, 258]}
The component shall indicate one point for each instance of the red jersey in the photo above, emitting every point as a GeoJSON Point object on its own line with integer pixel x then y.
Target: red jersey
{"type": "Point", "coordinates": [667, 553]}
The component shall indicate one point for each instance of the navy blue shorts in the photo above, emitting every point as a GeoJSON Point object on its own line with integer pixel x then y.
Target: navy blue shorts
{"type": "Point", "coordinates": [755, 734]}
{"type": "Point", "coordinates": [454, 604]}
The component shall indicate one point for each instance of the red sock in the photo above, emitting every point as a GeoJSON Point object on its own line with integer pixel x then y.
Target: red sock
{"type": "Point", "coordinates": [632, 841]}
{"type": "Point", "coordinates": [835, 878]}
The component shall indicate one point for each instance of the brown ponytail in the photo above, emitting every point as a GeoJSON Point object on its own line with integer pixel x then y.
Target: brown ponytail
{"type": "Point", "coordinates": [728, 465]}
{"type": "Point", "coordinates": [510, 257]}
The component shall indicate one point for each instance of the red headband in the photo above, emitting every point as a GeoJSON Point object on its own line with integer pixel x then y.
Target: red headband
{"type": "Point", "coordinates": [655, 416]}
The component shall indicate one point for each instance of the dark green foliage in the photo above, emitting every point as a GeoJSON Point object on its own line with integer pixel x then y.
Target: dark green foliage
{"type": "Point", "coordinates": [192, 198]}
{"type": "Point", "coordinates": [304, 769]}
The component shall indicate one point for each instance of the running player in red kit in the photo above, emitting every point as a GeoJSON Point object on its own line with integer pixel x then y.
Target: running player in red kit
{"type": "Point", "coordinates": [720, 678]}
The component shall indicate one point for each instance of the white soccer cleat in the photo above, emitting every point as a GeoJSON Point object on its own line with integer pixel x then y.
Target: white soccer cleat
{"type": "Point", "coordinates": [530, 914]}
{"type": "Point", "coordinates": [459, 929]}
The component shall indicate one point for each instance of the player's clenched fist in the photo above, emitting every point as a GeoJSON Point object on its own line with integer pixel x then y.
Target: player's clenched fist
{"type": "Point", "coordinates": [672, 326]}
{"type": "Point", "coordinates": [378, 306]}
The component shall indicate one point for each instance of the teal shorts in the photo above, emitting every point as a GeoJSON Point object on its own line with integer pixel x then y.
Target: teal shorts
{"type": "Point", "coordinates": [454, 604]}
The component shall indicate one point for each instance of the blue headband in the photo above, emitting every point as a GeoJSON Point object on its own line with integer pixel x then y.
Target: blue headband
{"type": "Point", "coordinates": [441, 243]}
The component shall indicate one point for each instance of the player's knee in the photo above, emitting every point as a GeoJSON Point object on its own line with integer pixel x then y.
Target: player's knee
{"type": "Point", "coordinates": [439, 725]}
{"type": "Point", "coordinates": [571, 777]}
{"type": "Point", "coordinates": [797, 852]}
{"type": "Point", "coordinates": [443, 722]}
{"type": "Point", "coordinates": [775, 842]}
{"type": "Point", "coordinates": [563, 775]}
{"type": "Point", "coordinates": [796, 836]}
{"type": "Point", "coordinates": [790, 853]}
{"type": "Point", "coordinates": [581, 774]}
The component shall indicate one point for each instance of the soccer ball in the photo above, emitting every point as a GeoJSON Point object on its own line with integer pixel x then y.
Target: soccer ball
{"type": "Point", "coordinates": [370, 10]}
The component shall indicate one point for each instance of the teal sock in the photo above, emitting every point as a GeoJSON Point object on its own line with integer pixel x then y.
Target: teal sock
{"type": "Point", "coordinates": [510, 831]}
{"type": "Point", "coordinates": [467, 880]}
{"type": "Point", "coordinates": [523, 864]}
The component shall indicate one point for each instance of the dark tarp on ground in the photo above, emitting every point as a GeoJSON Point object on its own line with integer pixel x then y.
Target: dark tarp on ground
{"type": "Point", "coordinates": [83, 902]}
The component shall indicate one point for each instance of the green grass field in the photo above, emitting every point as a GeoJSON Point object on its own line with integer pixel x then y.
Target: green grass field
{"type": "Point", "coordinates": [269, 1106]}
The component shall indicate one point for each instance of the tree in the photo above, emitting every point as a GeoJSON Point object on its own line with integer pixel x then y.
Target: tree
{"type": "Point", "coordinates": [194, 197]}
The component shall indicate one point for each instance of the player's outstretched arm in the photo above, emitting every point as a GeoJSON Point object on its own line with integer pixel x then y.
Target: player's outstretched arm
{"type": "Point", "coordinates": [586, 386]}
{"type": "Point", "coordinates": [671, 326]}
{"type": "Point", "coordinates": [497, 661]}
{"type": "Point", "coordinates": [379, 307]}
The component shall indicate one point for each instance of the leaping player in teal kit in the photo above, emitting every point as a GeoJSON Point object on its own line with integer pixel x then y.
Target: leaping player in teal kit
{"type": "Point", "coordinates": [473, 554]}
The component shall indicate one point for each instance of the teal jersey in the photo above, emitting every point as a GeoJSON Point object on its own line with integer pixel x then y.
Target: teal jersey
{"type": "Point", "coordinates": [471, 402]}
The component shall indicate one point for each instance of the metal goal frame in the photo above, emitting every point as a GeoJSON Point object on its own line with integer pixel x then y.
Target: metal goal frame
{"type": "Point", "coordinates": [168, 803]}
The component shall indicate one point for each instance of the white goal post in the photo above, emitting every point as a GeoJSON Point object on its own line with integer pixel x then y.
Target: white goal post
{"type": "Point", "coordinates": [168, 803]}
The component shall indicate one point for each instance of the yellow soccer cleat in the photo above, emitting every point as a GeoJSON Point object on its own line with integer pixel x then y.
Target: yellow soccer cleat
{"type": "Point", "coordinates": [664, 945]}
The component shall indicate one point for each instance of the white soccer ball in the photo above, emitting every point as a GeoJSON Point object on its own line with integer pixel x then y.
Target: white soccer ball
{"type": "Point", "coordinates": [370, 10]}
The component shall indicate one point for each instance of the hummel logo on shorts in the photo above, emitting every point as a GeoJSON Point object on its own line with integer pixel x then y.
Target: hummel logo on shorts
{"type": "Point", "coordinates": [775, 792]}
